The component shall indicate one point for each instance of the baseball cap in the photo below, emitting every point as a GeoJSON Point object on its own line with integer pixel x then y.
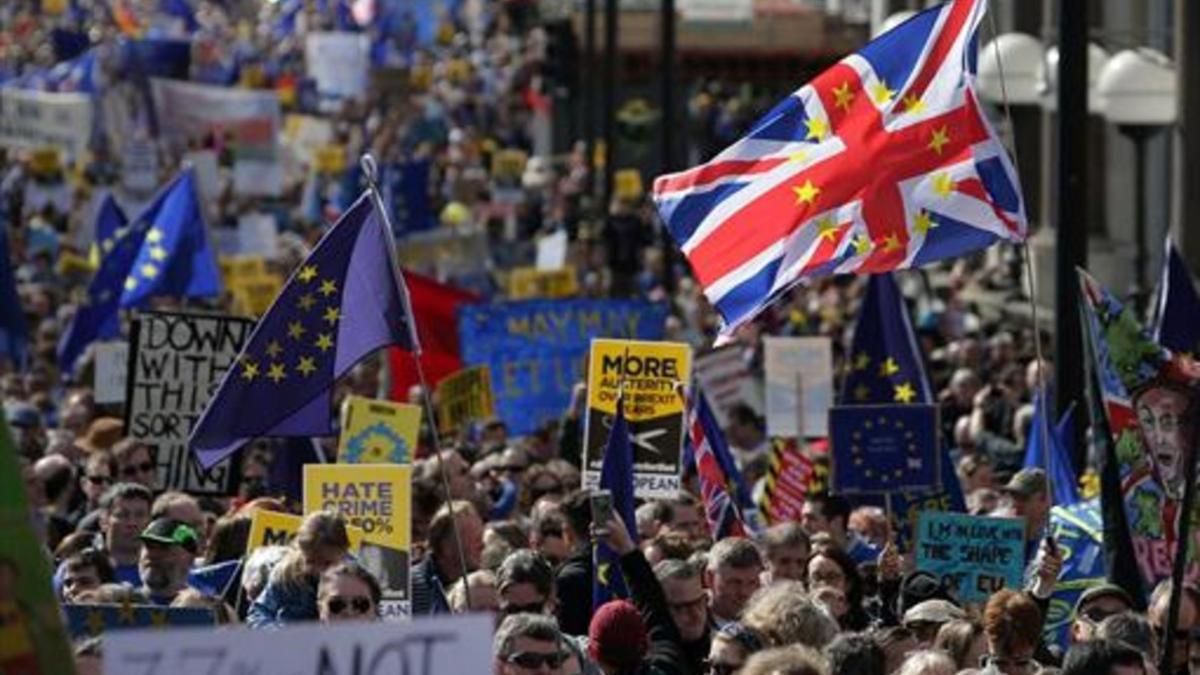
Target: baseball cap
{"type": "Point", "coordinates": [171, 532]}
{"type": "Point", "coordinates": [934, 611]}
{"type": "Point", "coordinates": [1102, 591]}
{"type": "Point", "coordinates": [1026, 483]}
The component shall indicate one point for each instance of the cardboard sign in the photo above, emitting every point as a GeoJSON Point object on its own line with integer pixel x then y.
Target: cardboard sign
{"type": "Point", "coordinates": [112, 369]}
{"type": "Point", "coordinates": [378, 499]}
{"type": "Point", "coordinates": [84, 621]}
{"type": "Point", "coordinates": [178, 361]}
{"type": "Point", "coordinates": [976, 556]}
{"type": "Point", "coordinates": [378, 432]}
{"type": "Point", "coordinates": [799, 384]}
{"type": "Point", "coordinates": [32, 119]}
{"type": "Point", "coordinates": [241, 267]}
{"type": "Point", "coordinates": [338, 62]}
{"type": "Point", "coordinates": [271, 528]}
{"type": "Point", "coordinates": [727, 380]}
{"type": "Point", "coordinates": [884, 448]}
{"type": "Point", "coordinates": [253, 296]}
{"type": "Point", "coordinates": [459, 644]}
{"type": "Point", "coordinates": [649, 373]}
{"type": "Point", "coordinates": [526, 283]}
{"type": "Point", "coordinates": [465, 397]}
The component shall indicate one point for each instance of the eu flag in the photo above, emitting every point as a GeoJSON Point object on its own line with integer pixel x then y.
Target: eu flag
{"type": "Point", "coordinates": [14, 336]}
{"type": "Point", "coordinates": [616, 476]}
{"type": "Point", "coordinates": [885, 367]}
{"type": "Point", "coordinates": [111, 224]}
{"type": "Point", "coordinates": [1176, 326]}
{"type": "Point", "coordinates": [1061, 472]}
{"type": "Point", "coordinates": [345, 301]}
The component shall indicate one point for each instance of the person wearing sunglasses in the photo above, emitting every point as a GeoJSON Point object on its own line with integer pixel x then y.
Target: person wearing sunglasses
{"type": "Point", "coordinates": [525, 581]}
{"type": "Point", "coordinates": [1095, 605]}
{"type": "Point", "coordinates": [99, 472]}
{"type": "Point", "coordinates": [348, 592]}
{"type": "Point", "coordinates": [528, 643]}
{"type": "Point", "coordinates": [135, 463]}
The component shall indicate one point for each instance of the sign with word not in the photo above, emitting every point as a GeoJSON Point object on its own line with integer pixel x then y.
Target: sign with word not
{"type": "Point", "coordinates": [377, 432]}
{"type": "Point", "coordinates": [178, 360]}
{"type": "Point", "coordinates": [458, 644]}
{"type": "Point", "coordinates": [465, 397]}
{"type": "Point", "coordinates": [648, 374]}
{"type": "Point", "coordinates": [973, 555]}
{"type": "Point", "coordinates": [272, 528]}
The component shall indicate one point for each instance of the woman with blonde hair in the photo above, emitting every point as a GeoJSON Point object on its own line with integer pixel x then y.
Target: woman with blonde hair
{"type": "Point", "coordinates": [291, 591]}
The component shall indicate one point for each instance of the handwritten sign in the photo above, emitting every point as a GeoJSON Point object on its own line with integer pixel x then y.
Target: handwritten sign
{"type": "Point", "coordinates": [32, 119]}
{"type": "Point", "coordinates": [974, 555]}
{"type": "Point", "coordinates": [649, 373]}
{"type": "Point", "coordinates": [377, 432]}
{"type": "Point", "coordinates": [464, 397]}
{"type": "Point", "coordinates": [178, 361]}
{"type": "Point", "coordinates": [460, 644]}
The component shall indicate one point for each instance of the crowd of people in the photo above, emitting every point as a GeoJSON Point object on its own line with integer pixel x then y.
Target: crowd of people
{"type": "Point", "coordinates": [499, 523]}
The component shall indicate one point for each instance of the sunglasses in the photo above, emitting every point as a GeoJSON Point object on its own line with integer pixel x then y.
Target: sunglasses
{"type": "Point", "coordinates": [135, 469]}
{"type": "Point", "coordinates": [531, 608]}
{"type": "Point", "coordinates": [338, 606]}
{"type": "Point", "coordinates": [535, 660]}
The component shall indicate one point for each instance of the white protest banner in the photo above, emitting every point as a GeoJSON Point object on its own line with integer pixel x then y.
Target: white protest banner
{"type": "Point", "coordinates": [433, 646]}
{"type": "Point", "coordinates": [112, 359]}
{"type": "Point", "coordinates": [726, 379]}
{"type": "Point", "coordinates": [799, 385]}
{"type": "Point", "coordinates": [139, 166]}
{"type": "Point", "coordinates": [339, 63]}
{"type": "Point", "coordinates": [178, 361]}
{"type": "Point", "coordinates": [552, 251]}
{"type": "Point", "coordinates": [33, 119]}
{"type": "Point", "coordinates": [257, 177]}
{"type": "Point", "coordinates": [258, 235]}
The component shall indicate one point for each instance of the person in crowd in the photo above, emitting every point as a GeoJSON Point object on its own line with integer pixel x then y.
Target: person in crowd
{"type": "Point", "coordinates": [747, 434]}
{"type": "Point", "coordinates": [57, 476]}
{"type": "Point", "coordinates": [1103, 657]}
{"type": "Point", "coordinates": [1027, 496]}
{"type": "Point", "coordinates": [831, 567]}
{"type": "Point", "coordinates": [1012, 623]}
{"type": "Point", "coordinates": [1094, 606]}
{"type": "Point", "coordinates": [224, 614]}
{"type": "Point", "coordinates": [830, 515]}
{"type": "Point", "coordinates": [1133, 630]}
{"type": "Point", "coordinates": [1189, 616]}
{"type": "Point", "coordinates": [169, 548]}
{"type": "Point", "coordinates": [99, 473]}
{"type": "Point", "coordinates": [573, 580]}
{"type": "Point", "coordinates": [526, 644]}
{"type": "Point", "coordinates": [732, 645]}
{"type": "Point", "coordinates": [855, 654]}
{"type": "Point", "coordinates": [787, 548]}
{"type": "Point", "coordinates": [348, 592]}
{"type": "Point", "coordinates": [456, 524]}
{"type": "Point", "coordinates": [789, 660]}
{"type": "Point", "coordinates": [291, 591]}
{"type": "Point", "coordinates": [125, 513]}
{"type": "Point", "coordinates": [927, 662]}
{"type": "Point", "coordinates": [964, 641]}
{"type": "Point", "coordinates": [483, 595]}
{"type": "Point", "coordinates": [926, 619]}
{"type": "Point", "coordinates": [547, 537]}
{"type": "Point", "coordinates": [85, 571]}
{"type": "Point", "coordinates": [784, 614]}
{"type": "Point", "coordinates": [732, 576]}
{"type": "Point", "coordinates": [135, 464]}
{"type": "Point", "coordinates": [688, 601]}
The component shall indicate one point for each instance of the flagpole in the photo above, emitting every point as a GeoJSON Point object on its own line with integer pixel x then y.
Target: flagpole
{"type": "Point", "coordinates": [371, 171]}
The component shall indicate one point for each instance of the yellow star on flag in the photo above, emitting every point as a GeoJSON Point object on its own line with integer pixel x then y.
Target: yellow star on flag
{"type": "Point", "coordinates": [125, 612]}
{"type": "Point", "coordinates": [862, 244]}
{"type": "Point", "coordinates": [938, 138]}
{"type": "Point", "coordinates": [943, 184]}
{"type": "Point", "coordinates": [891, 243]}
{"type": "Point", "coordinates": [276, 374]}
{"type": "Point", "coordinates": [154, 236]}
{"type": "Point", "coordinates": [922, 222]}
{"type": "Point", "coordinates": [880, 93]}
{"type": "Point", "coordinates": [889, 367]}
{"type": "Point", "coordinates": [328, 287]}
{"type": "Point", "coordinates": [862, 392]}
{"type": "Point", "coordinates": [798, 156]}
{"type": "Point", "coordinates": [827, 229]}
{"type": "Point", "coordinates": [306, 366]}
{"type": "Point", "coordinates": [107, 245]}
{"type": "Point", "coordinates": [149, 271]}
{"type": "Point", "coordinates": [807, 193]}
{"type": "Point", "coordinates": [862, 361]}
{"type": "Point", "coordinates": [603, 573]}
{"type": "Point", "coordinates": [306, 301]}
{"type": "Point", "coordinates": [95, 622]}
{"type": "Point", "coordinates": [158, 618]}
{"type": "Point", "coordinates": [817, 128]}
{"type": "Point", "coordinates": [296, 330]}
{"type": "Point", "coordinates": [324, 342]}
{"type": "Point", "coordinates": [913, 104]}
{"type": "Point", "coordinates": [274, 348]}
{"type": "Point", "coordinates": [905, 393]}
{"type": "Point", "coordinates": [249, 370]}
{"type": "Point", "coordinates": [158, 253]}
{"type": "Point", "coordinates": [307, 273]}
{"type": "Point", "coordinates": [130, 283]}
{"type": "Point", "coordinates": [331, 315]}
{"type": "Point", "coordinates": [843, 97]}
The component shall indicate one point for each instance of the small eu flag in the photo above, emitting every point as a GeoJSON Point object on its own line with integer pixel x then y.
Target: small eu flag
{"type": "Point", "coordinates": [1063, 482]}
{"type": "Point", "coordinates": [884, 448]}
{"type": "Point", "coordinates": [345, 301]}
{"type": "Point", "coordinates": [616, 476]}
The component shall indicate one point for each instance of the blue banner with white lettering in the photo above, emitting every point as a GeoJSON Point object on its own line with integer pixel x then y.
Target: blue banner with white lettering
{"type": "Point", "coordinates": [884, 448]}
{"type": "Point", "coordinates": [974, 556]}
{"type": "Point", "coordinates": [537, 349]}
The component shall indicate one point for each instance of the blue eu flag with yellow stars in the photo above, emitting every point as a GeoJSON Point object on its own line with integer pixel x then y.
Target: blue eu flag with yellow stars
{"type": "Point", "coordinates": [345, 301]}
{"type": "Point", "coordinates": [616, 476]}
{"type": "Point", "coordinates": [1175, 325]}
{"type": "Point", "coordinates": [884, 367]}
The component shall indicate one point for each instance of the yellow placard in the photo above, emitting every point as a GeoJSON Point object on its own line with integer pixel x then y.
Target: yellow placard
{"type": "Point", "coordinates": [271, 528]}
{"type": "Point", "coordinates": [241, 267]}
{"type": "Point", "coordinates": [55, 7]}
{"type": "Point", "coordinates": [509, 163]}
{"type": "Point", "coordinates": [628, 184]}
{"type": "Point", "coordinates": [45, 160]}
{"type": "Point", "coordinates": [253, 295]}
{"type": "Point", "coordinates": [374, 497]}
{"type": "Point", "coordinates": [651, 372]}
{"type": "Point", "coordinates": [330, 159]}
{"type": "Point", "coordinates": [530, 282]}
{"type": "Point", "coordinates": [464, 397]}
{"type": "Point", "coordinates": [378, 432]}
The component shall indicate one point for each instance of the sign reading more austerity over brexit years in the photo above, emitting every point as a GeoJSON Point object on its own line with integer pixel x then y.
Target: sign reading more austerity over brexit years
{"type": "Point", "coordinates": [178, 361]}
{"type": "Point", "coordinates": [377, 432]}
{"type": "Point", "coordinates": [884, 448]}
{"type": "Point", "coordinates": [648, 373]}
{"type": "Point", "coordinates": [974, 555]}
{"type": "Point", "coordinates": [464, 397]}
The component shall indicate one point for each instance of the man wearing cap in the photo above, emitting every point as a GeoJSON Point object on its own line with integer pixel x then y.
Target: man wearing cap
{"type": "Point", "coordinates": [1027, 497]}
{"type": "Point", "coordinates": [1095, 605]}
{"type": "Point", "coordinates": [168, 548]}
{"type": "Point", "coordinates": [926, 618]}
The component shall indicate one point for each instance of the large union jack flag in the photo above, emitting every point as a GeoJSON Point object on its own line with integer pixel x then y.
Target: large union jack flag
{"type": "Point", "coordinates": [884, 161]}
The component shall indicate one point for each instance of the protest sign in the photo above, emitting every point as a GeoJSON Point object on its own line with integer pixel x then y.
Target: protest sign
{"type": "Point", "coordinates": [139, 166]}
{"type": "Point", "coordinates": [973, 555]}
{"type": "Point", "coordinates": [32, 119]}
{"type": "Point", "coordinates": [378, 432]}
{"type": "Point", "coordinates": [339, 63]}
{"type": "Point", "coordinates": [112, 368]}
{"type": "Point", "coordinates": [34, 638]}
{"type": "Point", "coordinates": [253, 295]}
{"type": "Point", "coordinates": [883, 448]}
{"type": "Point", "coordinates": [272, 528]}
{"type": "Point", "coordinates": [536, 349]}
{"type": "Point", "coordinates": [790, 477]}
{"type": "Point", "coordinates": [254, 177]}
{"type": "Point", "coordinates": [258, 235]}
{"type": "Point", "coordinates": [464, 397]}
{"type": "Point", "coordinates": [727, 380]}
{"type": "Point", "coordinates": [552, 251]}
{"type": "Point", "coordinates": [250, 119]}
{"type": "Point", "coordinates": [84, 621]}
{"type": "Point", "coordinates": [526, 283]}
{"type": "Point", "coordinates": [443, 252]}
{"type": "Point", "coordinates": [240, 267]}
{"type": "Point", "coordinates": [177, 362]}
{"type": "Point", "coordinates": [628, 184]}
{"type": "Point", "coordinates": [376, 498]}
{"type": "Point", "coordinates": [304, 135]}
{"type": "Point", "coordinates": [647, 373]}
{"type": "Point", "coordinates": [459, 644]}
{"type": "Point", "coordinates": [799, 385]}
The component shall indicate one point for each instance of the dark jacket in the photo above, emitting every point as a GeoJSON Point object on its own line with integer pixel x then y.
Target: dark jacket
{"type": "Point", "coordinates": [281, 604]}
{"type": "Point", "coordinates": [666, 655]}
{"type": "Point", "coordinates": [573, 588]}
{"type": "Point", "coordinates": [428, 592]}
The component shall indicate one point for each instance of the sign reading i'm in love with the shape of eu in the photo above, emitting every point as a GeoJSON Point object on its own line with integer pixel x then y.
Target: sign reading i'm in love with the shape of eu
{"type": "Point", "coordinates": [884, 448]}
{"type": "Point", "coordinates": [974, 556]}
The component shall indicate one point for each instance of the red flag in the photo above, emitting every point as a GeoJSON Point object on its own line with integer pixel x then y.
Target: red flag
{"type": "Point", "coordinates": [433, 306]}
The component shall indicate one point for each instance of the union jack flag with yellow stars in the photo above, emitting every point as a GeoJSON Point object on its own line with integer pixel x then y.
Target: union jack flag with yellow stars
{"type": "Point", "coordinates": [884, 161]}
{"type": "Point", "coordinates": [343, 303]}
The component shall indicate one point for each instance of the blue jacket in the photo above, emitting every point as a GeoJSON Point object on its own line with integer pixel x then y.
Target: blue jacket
{"type": "Point", "coordinates": [428, 593]}
{"type": "Point", "coordinates": [281, 604]}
